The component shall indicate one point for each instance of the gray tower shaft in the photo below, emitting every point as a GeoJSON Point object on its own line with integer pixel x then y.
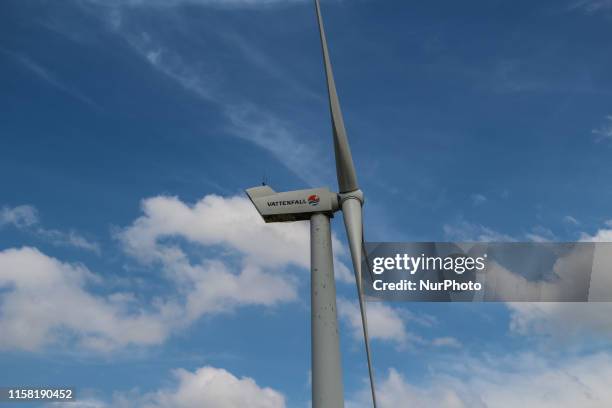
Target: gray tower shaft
{"type": "Point", "coordinates": [327, 388]}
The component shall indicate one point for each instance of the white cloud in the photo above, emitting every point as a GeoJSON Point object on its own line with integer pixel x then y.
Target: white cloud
{"type": "Point", "coordinates": [568, 219]}
{"type": "Point", "coordinates": [208, 387]}
{"type": "Point", "coordinates": [523, 380]}
{"type": "Point", "coordinates": [568, 322]}
{"type": "Point", "coordinates": [70, 238]}
{"type": "Point", "coordinates": [196, 77]}
{"type": "Point", "coordinates": [396, 391]}
{"type": "Point", "coordinates": [280, 139]}
{"type": "Point", "coordinates": [478, 199]}
{"type": "Point", "coordinates": [236, 260]}
{"type": "Point", "coordinates": [21, 216]}
{"type": "Point", "coordinates": [390, 324]}
{"type": "Point", "coordinates": [602, 235]}
{"type": "Point", "coordinates": [44, 300]}
{"type": "Point", "coordinates": [48, 77]}
{"type": "Point", "coordinates": [245, 120]}
{"type": "Point", "coordinates": [517, 287]}
{"type": "Point", "coordinates": [215, 220]}
{"type": "Point", "coordinates": [384, 322]}
{"type": "Point", "coordinates": [214, 289]}
{"type": "Point", "coordinates": [540, 234]}
{"type": "Point", "coordinates": [46, 303]}
{"type": "Point", "coordinates": [467, 232]}
{"type": "Point", "coordinates": [604, 132]}
{"type": "Point", "coordinates": [591, 6]}
{"type": "Point", "coordinates": [446, 342]}
{"type": "Point", "coordinates": [25, 217]}
{"type": "Point", "coordinates": [214, 388]}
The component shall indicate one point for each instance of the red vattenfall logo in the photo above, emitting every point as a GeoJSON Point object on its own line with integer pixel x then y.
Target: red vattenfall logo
{"type": "Point", "coordinates": [313, 199]}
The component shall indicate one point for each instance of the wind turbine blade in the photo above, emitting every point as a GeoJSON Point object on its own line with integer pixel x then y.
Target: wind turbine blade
{"type": "Point", "coordinates": [347, 178]}
{"type": "Point", "coordinates": [367, 261]}
{"type": "Point", "coordinates": [351, 209]}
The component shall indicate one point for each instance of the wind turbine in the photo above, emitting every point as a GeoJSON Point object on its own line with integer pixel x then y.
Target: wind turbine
{"type": "Point", "coordinates": [319, 205]}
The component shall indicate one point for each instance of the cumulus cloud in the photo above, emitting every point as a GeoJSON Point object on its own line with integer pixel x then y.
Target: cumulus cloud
{"type": "Point", "coordinates": [214, 289]}
{"type": "Point", "coordinates": [214, 220]}
{"type": "Point", "coordinates": [207, 386]}
{"type": "Point", "coordinates": [384, 322]}
{"type": "Point", "coordinates": [567, 322]}
{"type": "Point", "coordinates": [26, 218]}
{"type": "Point", "coordinates": [573, 322]}
{"type": "Point", "coordinates": [523, 380]}
{"type": "Point", "coordinates": [603, 234]}
{"type": "Point", "coordinates": [236, 260]}
{"type": "Point", "coordinates": [566, 285]}
{"type": "Point", "coordinates": [570, 322]}
{"type": "Point", "coordinates": [390, 324]}
{"type": "Point", "coordinates": [214, 388]}
{"type": "Point", "coordinates": [44, 300]}
{"type": "Point", "coordinates": [232, 222]}
{"type": "Point", "coordinates": [396, 391]}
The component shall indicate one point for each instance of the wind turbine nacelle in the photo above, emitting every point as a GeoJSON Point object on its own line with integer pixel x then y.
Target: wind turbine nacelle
{"type": "Point", "coordinates": [295, 205]}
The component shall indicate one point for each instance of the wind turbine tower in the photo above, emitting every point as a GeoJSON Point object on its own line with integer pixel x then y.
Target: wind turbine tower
{"type": "Point", "coordinates": [318, 205]}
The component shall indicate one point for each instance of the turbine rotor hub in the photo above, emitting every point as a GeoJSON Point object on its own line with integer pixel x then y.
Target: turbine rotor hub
{"type": "Point", "coordinates": [355, 194]}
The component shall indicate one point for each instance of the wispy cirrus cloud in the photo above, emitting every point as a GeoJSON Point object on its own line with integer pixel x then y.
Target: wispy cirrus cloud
{"type": "Point", "coordinates": [279, 138]}
{"type": "Point", "coordinates": [245, 119]}
{"type": "Point", "coordinates": [568, 219]}
{"type": "Point", "coordinates": [603, 132]}
{"type": "Point", "coordinates": [49, 77]}
{"type": "Point", "coordinates": [478, 199]}
{"type": "Point", "coordinates": [540, 234]}
{"type": "Point", "coordinates": [21, 216]}
{"type": "Point", "coordinates": [467, 231]}
{"type": "Point", "coordinates": [26, 218]}
{"type": "Point", "coordinates": [591, 6]}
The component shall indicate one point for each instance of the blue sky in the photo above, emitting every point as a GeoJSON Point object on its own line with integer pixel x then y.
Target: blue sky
{"type": "Point", "coordinates": [133, 267]}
